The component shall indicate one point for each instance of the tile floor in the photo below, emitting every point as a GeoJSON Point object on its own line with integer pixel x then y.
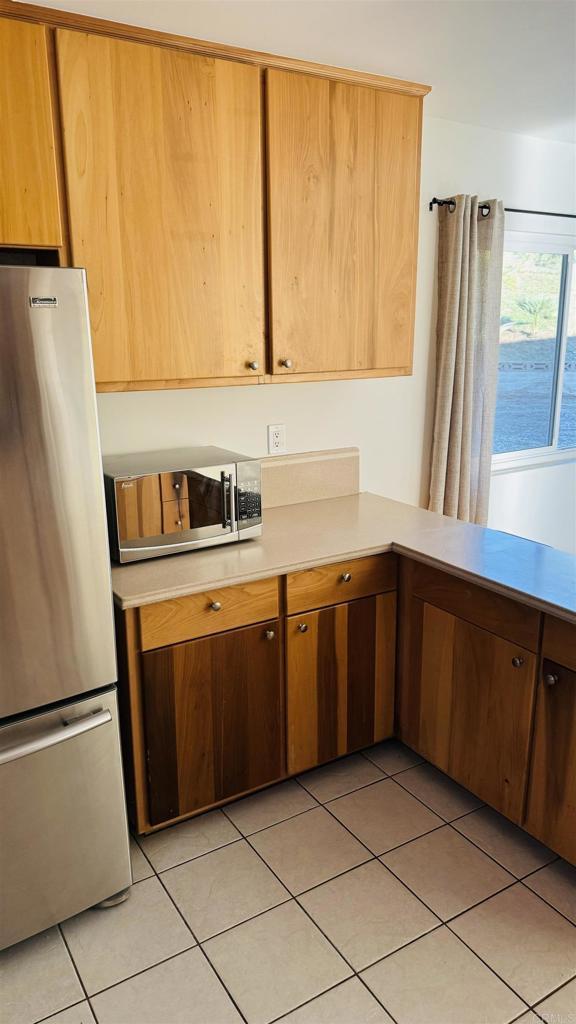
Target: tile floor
{"type": "Point", "coordinates": [371, 891]}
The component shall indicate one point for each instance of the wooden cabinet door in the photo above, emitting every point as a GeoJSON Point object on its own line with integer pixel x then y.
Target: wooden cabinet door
{"type": "Point", "coordinates": [163, 160]}
{"type": "Point", "coordinates": [340, 679]}
{"type": "Point", "coordinates": [214, 718]}
{"type": "Point", "coordinates": [551, 812]}
{"type": "Point", "coordinates": [343, 169]}
{"type": "Point", "coordinates": [474, 695]}
{"type": "Point", "coordinates": [29, 204]}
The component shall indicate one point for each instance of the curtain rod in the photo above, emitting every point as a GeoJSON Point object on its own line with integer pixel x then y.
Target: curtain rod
{"type": "Point", "coordinates": [485, 208]}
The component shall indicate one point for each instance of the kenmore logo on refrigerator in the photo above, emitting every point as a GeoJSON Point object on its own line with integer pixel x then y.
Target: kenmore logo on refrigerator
{"type": "Point", "coordinates": [40, 301]}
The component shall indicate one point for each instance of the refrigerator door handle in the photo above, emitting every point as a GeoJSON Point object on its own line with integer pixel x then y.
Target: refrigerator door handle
{"type": "Point", "coordinates": [75, 727]}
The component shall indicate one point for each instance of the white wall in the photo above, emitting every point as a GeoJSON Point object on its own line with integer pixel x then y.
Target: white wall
{"type": "Point", "coordinates": [539, 503]}
{"type": "Point", "coordinates": [389, 419]}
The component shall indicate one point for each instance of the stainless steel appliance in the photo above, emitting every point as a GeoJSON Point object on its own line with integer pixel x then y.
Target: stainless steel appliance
{"type": "Point", "coordinates": [164, 502]}
{"type": "Point", "coordinates": [64, 840]}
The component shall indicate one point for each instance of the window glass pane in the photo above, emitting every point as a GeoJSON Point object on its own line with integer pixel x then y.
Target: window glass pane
{"type": "Point", "coordinates": [567, 435]}
{"type": "Point", "coordinates": [531, 287]}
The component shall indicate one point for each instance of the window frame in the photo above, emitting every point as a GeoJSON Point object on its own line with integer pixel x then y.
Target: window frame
{"type": "Point", "coordinates": [565, 245]}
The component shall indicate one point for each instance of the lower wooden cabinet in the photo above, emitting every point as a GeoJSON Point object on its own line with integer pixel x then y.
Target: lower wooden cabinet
{"type": "Point", "coordinates": [213, 718]}
{"type": "Point", "coordinates": [340, 679]}
{"type": "Point", "coordinates": [472, 698]}
{"type": "Point", "coordinates": [551, 810]}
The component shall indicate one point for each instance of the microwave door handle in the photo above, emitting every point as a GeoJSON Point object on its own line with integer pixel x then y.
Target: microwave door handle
{"type": "Point", "coordinates": [226, 499]}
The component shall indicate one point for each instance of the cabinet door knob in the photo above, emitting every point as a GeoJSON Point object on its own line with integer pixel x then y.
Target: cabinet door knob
{"type": "Point", "coordinates": [176, 487]}
{"type": "Point", "coordinates": [178, 522]}
{"type": "Point", "coordinates": [346, 577]}
{"type": "Point", "coordinates": [287, 363]}
{"type": "Point", "coordinates": [551, 678]}
{"type": "Point", "coordinates": [253, 365]}
{"type": "Point", "coordinates": [517, 661]}
{"type": "Point", "coordinates": [215, 606]}
{"type": "Point", "coordinates": [303, 628]}
{"type": "Point", "coordinates": [270, 634]}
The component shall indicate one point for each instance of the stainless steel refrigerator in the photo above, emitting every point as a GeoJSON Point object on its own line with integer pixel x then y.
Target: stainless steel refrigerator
{"type": "Point", "coordinates": [63, 833]}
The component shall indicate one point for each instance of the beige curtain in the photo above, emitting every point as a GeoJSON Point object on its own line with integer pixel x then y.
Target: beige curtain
{"type": "Point", "coordinates": [470, 250]}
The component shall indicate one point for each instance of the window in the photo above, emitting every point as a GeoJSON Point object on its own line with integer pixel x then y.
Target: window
{"type": "Point", "coordinates": [536, 398]}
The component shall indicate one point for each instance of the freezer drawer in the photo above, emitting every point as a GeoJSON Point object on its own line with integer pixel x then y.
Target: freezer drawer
{"type": "Point", "coordinates": [64, 838]}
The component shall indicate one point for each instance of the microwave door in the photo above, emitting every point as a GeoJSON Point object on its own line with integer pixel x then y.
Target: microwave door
{"type": "Point", "coordinates": [210, 502]}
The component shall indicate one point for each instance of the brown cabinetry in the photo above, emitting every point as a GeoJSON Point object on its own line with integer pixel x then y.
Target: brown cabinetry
{"type": "Point", "coordinates": [466, 694]}
{"type": "Point", "coordinates": [213, 719]}
{"type": "Point", "coordinates": [340, 679]}
{"type": "Point", "coordinates": [551, 807]}
{"type": "Point", "coordinates": [343, 170]}
{"type": "Point", "coordinates": [29, 201]}
{"type": "Point", "coordinates": [163, 162]}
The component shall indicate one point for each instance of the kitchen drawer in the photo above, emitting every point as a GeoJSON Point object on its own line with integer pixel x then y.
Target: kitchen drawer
{"type": "Point", "coordinates": [184, 618]}
{"type": "Point", "coordinates": [340, 581]}
{"type": "Point", "coordinates": [559, 642]}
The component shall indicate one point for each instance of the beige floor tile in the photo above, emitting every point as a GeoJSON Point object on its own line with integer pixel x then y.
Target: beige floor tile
{"type": "Point", "coordinates": [37, 978]}
{"type": "Point", "coordinates": [560, 1008]}
{"type": "Point", "coordinates": [447, 872]}
{"type": "Point", "coordinates": [184, 990]}
{"type": "Point", "coordinates": [110, 945]}
{"type": "Point", "coordinates": [392, 756]}
{"type": "Point", "coordinates": [190, 839]}
{"type": "Point", "coordinates": [223, 888]}
{"type": "Point", "coordinates": [340, 777]}
{"type": "Point", "coordinates": [349, 1003]}
{"type": "Point", "coordinates": [438, 792]}
{"type": "Point", "coordinates": [367, 913]}
{"type": "Point", "coordinates": [526, 942]}
{"type": "Point", "coordinates": [140, 867]}
{"type": "Point", "coordinates": [436, 980]}
{"type": "Point", "coordinates": [557, 885]}
{"type": "Point", "coordinates": [384, 815]}
{"type": "Point", "coordinates": [513, 848]}
{"type": "Point", "coordinates": [269, 807]}
{"type": "Point", "coordinates": [275, 962]}
{"type": "Point", "coordinates": [79, 1014]}
{"type": "Point", "coordinates": [308, 849]}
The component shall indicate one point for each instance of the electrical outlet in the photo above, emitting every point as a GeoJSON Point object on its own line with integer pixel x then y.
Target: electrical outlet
{"type": "Point", "coordinates": [276, 438]}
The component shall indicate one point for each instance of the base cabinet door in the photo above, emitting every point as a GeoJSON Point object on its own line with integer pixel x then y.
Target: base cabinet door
{"type": "Point", "coordinates": [551, 811]}
{"type": "Point", "coordinates": [214, 718]}
{"type": "Point", "coordinates": [475, 696]}
{"type": "Point", "coordinates": [340, 679]}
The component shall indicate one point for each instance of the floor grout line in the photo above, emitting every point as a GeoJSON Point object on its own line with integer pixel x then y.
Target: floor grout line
{"type": "Point", "coordinates": [295, 898]}
{"type": "Point", "coordinates": [204, 954]}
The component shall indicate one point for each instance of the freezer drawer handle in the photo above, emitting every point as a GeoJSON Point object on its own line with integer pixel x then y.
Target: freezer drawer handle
{"type": "Point", "coordinates": [75, 728]}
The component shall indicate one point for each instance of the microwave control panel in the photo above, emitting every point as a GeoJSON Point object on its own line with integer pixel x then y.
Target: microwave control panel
{"type": "Point", "coordinates": [249, 504]}
{"type": "Point", "coordinates": [248, 494]}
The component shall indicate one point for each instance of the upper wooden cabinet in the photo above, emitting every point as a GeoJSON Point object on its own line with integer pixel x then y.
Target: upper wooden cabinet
{"type": "Point", "coordinates": [343, 170]}
{"type": "Point", "coordinates": [163, 162]}
{"type": "Point", "coordinates": [29, 206]}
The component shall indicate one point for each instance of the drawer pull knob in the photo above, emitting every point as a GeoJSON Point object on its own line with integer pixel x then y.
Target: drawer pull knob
{"type": "Point", "coordinates": [551, 678]}
{"type": "Point", "coordinates": [270, 634]}
{"type": "Point", "coordinates": [517, 661]}
{"type": "Point", "coordinates": [176, 487]}
{"type": "Point", "coordinates": [253, 365]}
{"type": "Point", "coordinates": [287, 363]}
{"type": "Point", "coordinates": [303, 628]}
{"type": "Point", "coordinates": [215, 606]}
{"type": "Point", "coordinates": [346, 577]}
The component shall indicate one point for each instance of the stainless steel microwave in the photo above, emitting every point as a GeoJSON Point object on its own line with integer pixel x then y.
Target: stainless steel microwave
{"type": "Point", "coordinates": [161, 503]}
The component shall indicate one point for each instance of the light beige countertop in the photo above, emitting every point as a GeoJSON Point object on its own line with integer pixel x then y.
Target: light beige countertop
{"type": "Point", "coordinates": [330, 530]}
